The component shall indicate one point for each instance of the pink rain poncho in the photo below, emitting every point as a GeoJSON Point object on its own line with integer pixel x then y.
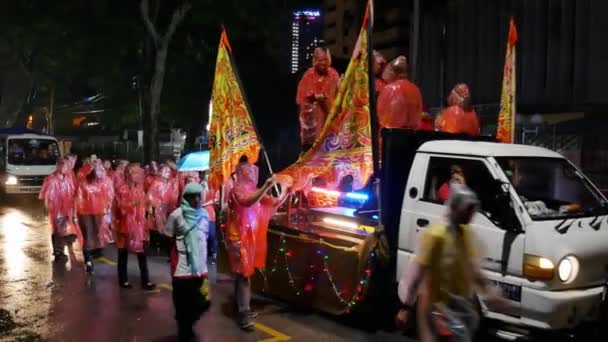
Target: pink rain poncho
{"type": "Point", "coordinates": [152, 174]}
{"type": "Point", "coordinates": [131, 199]}
{"type": "Point", "coordinates": [92, 202]}
{"type": "Point", "coordinates": [247, 226]}
{"type": "Point", "coordinates": [163, 196]}
{"type": "Point", "coordinates": [106, 227]}
{"type": "Point", "coordinates": [58, 193]}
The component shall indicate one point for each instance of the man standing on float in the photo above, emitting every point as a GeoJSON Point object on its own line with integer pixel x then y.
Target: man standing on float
{"type": "Point", "coordinates": [316, 93]}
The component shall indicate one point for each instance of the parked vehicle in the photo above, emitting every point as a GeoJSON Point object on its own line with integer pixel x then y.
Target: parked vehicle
{"type": "Point", "coordinates": [26, 158]}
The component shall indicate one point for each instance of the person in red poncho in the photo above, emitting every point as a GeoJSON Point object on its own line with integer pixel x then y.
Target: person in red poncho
{"type": "Point", "coordinates": [92, 200]}
{"type": "Point", "coordinates": [250, 209]}
{"type": "Point", "coordinates": [107, 165]}
{"type": "Point", "coordinates": [379, 65]}
{"type": "Point", "coordinates": [426, 123]}
{"type": "Point", "coordinates": [163, 196]}
{"type": "Point", "coordinates": [316, 93]}
{"type": "Point", "coordinates": [400, 101]}
{"type": "Point", "coordinates": [131, 232]}
{"type": "Point", "coordinates": [459, 117]}
{"type": "Point", "coordinates": [108, 188]}
{"type": "Point", "coordinates": [209, 202]}
{"type": "Point", "coordinates": [58, 193]}
{"type": "Point", "coordinates": [151, 175]}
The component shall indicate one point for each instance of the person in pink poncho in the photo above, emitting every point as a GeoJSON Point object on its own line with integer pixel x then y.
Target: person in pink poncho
{"type": "Point", "coordinates": [131, 230]}
{"type": "Point", "coordinates": [108, 188]}
{"type": "Point", "coordinates": [163, 196]}
{"type": "Point", "coordinates": [250, 209]}
{"type": "Point", "coordinates": [118, 179]}
{"type": "Point", "coordinates": [58, 193]}
{"type": "Point", "coordinates": [92, 198]}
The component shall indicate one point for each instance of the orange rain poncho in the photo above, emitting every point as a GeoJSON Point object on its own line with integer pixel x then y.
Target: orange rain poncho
{"type": "Point", "coordinates": [316, 93]}
{"type": "Point", "coordinates": [247, 226]}
{"type": "Point", "coordinates": [163, 196]}
{"type": "Point", "coordinates": [58, 192]}
{"type": "Point", "coordinates": [459, 117]}
{"type": "Point", "coordinates": [400, 101]}
{"type": "Point", "coordinates": [131, 200]}
{"type": "Point", "coordinates": [400, 105]}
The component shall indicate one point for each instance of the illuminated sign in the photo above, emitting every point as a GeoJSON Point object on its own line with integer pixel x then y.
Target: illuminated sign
{"type": "Point", "coordinates": [307, 13]}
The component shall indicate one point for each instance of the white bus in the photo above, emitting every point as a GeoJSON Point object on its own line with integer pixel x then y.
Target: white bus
{"type": "Point", "coordinates": [26, 158]}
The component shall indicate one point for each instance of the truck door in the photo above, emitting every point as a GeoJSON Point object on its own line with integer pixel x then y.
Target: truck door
{"type": "Point", "coordinates": [501, 251]}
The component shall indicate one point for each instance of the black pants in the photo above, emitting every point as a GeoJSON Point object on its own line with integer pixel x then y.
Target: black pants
{"type": "Point", "coordinates": [189, 304]}
{"type": "Point", "coordinates": [123, 256]}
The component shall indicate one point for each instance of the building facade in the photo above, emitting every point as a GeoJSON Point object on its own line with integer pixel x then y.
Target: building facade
{"type": "Point", "coordinates": [306, 28]}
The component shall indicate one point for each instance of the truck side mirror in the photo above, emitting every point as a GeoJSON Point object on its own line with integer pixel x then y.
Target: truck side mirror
{"type": "Point", "coordinates": [506, 216]}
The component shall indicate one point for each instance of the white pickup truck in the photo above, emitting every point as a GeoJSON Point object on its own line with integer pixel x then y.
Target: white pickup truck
{"type": "Point", "coordinates": [543, 225]}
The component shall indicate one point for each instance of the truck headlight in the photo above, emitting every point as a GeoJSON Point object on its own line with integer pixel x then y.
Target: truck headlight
{"type": "Point", "coordinates": [11, 180]}
{"type": "Point", "coordinates": [567, 269]}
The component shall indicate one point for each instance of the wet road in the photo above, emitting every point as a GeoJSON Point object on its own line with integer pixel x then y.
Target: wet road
{"type": "Point", "coordinates": [42, 300]}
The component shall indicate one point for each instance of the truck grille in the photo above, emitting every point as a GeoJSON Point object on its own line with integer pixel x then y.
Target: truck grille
{"type": "Point", "coordinates": [31, 180]}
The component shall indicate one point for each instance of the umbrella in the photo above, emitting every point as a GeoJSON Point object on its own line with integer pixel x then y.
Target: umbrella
{"type": "Point", "coordinates": [195, 161]}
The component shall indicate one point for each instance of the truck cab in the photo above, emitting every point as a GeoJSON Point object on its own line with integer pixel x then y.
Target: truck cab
{"type": "Point", "coordinates": [542, 226]}
{"type": "Point", "coordinates": [26, 158]}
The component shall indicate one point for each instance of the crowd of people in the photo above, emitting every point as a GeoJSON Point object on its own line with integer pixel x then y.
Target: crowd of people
{"type": "Point", "coordinates": [135, 207]}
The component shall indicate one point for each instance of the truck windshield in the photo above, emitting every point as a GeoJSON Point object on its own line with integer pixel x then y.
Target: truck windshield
{"type": "Point", "coordinates": [552, 188]}
{"type": "Point", "coordinates": [22, 151]}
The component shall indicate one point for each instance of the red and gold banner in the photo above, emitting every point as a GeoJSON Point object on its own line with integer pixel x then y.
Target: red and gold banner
{"type": "Point", "coordinates": [505, 131]}
{"type": "Point", "coordinates": [231, 132]}
{"type": "Point", "coordinates": [344, 146]}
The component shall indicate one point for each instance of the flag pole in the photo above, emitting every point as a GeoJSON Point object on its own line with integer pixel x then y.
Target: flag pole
{"type": "Point", "coordinates": [372, 88]}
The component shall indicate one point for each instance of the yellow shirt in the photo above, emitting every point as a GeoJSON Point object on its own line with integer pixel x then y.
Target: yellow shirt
{"type": "Point", "coordinates": [449, 258]}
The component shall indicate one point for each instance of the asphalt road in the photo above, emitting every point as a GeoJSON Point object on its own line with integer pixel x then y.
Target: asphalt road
{"type": "Point", "coordinates": [42, 300]}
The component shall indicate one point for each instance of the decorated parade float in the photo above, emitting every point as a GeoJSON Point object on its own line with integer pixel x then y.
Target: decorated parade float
{"type": "Point", "coordinates": [324, 244]}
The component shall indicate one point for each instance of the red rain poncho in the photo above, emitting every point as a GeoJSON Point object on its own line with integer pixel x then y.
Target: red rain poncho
{"type": "Point", "coordinates": [108, 189]}
{"type": "Point", "coordinates": [131, 200]}
{"type": "Point", "coordinates": [247, 226]}
{"type": "Point", "coordinates": [58, 193]}
{"type": "Point", "coordinates": [92, 197]}
{"type": "Point", "coordinates": [400, 105]}
{"type": "Point", "coordinates": [313, 112]}
{"type": "Point", "coordinates": [459, 117]}
{"type": "Point", "coordinates": [163, 197]}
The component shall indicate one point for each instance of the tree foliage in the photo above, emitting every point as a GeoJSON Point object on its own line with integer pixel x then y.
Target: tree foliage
{"type": "Point", "coordinates": [84, 48]}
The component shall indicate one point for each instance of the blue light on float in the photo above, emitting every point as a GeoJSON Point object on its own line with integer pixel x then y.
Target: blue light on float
{"type": "Point", "coordinates": [376, 217]}
{"type": "Point", "coordinates": [357, 196]}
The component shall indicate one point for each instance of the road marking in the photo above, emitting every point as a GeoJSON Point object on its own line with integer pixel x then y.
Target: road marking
{"type": "Point", "coordinates": [276, 336]}
{"type": "Point", "coordinates": [106, 261]}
